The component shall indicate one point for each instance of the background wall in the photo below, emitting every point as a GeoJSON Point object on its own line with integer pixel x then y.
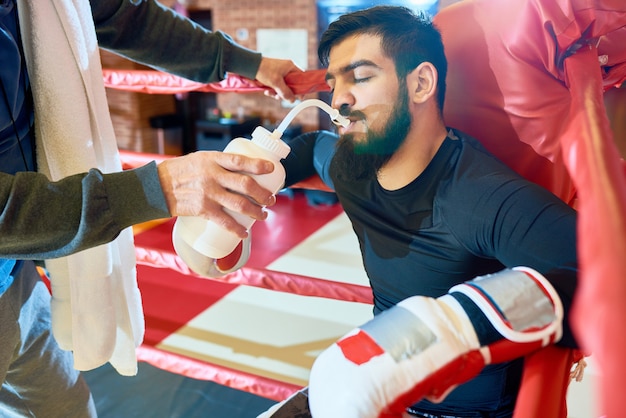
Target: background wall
{"type": "Point", "coordinates": [131, 111]}
{"type": "Point", "coordinates": [249, 15]}
{"type": "Point", "coordinates": [241, 19]}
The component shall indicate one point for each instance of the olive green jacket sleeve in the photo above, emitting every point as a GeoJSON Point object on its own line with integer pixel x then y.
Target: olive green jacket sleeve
{"type": "Point", "coordinates": [149, 33]}
{"type": "Point", "coordinates": [42, 219]}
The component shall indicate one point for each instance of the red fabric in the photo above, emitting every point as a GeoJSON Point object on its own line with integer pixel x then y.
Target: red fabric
{"type": "Point", "coordinates": [261, 386]}
{"type": "Point", "coordinates": [506, 84]}
{"type": "Point", "coordinates": [599, 308]}
{"type": "Point", "coordinates": [529, 86]}
{"type": "Point", "coordinates": [548, 368]}
{"type": "Point", "coordinates": [154, 82]}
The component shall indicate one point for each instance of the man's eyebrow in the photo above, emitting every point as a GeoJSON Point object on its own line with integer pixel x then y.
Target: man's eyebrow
{"type": "Point", "coordinates": [352, 66]}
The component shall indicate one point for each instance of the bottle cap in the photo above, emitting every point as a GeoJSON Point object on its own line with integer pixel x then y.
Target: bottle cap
{"type": "Point", "coordinates": [265, 139]}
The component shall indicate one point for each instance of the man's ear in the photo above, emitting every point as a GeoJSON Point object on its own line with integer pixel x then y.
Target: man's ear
{"type": "Point", "coordinates": [422, 82]}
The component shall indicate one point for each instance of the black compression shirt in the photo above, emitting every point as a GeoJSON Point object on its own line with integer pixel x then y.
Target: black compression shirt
{"type": "Point", "coordinates": [464, 216]}
{"type": "Point", "coordinates": [467, 214]}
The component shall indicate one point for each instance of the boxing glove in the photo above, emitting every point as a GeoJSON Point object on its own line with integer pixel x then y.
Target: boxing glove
{"type": "Point", "coordinates": [425, 347]}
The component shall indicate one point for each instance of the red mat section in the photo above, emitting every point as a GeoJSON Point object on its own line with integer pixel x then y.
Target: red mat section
{"type": "Point", "coordinates": [171, 299]}
{"type": "Point", "coordinates": [291, 221]}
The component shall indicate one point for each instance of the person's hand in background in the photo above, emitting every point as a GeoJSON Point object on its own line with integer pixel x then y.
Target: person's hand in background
{"type": "Point", "coordinates": [272, 72]}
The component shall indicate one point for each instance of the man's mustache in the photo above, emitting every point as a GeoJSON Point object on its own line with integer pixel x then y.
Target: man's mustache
{"type": "Point", "coordinates": [350, 114]}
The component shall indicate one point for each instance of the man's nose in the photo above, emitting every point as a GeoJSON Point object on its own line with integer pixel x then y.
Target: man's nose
{"type": "Point", "coordinates": [342, 100]}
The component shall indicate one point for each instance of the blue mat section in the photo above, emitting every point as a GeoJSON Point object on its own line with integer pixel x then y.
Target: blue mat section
{"type": "Point", "coordinates": [156, 393]}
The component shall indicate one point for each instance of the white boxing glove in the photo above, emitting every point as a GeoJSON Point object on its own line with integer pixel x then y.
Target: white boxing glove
{"type": "Point", "coordinates": [425, 347]}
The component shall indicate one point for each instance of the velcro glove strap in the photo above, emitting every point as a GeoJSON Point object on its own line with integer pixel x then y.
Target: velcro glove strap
{"type": "Point", "coordinates": [522, 306]}
{"type": "Point", "coordinates": [520, 303]}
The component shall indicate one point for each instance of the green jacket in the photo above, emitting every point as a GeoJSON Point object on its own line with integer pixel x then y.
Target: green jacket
{"type": "Point", "coordinates": [40, 219]}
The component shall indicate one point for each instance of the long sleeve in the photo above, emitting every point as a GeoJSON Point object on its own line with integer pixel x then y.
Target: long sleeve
{"type": "Point", "coordinates": [149, 33]}
{"type": "Point", "coordinates": [40, 219]}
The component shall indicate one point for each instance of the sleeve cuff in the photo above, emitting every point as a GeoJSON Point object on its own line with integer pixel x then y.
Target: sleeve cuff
{"type": "Point", "coordinates": [136, 196]}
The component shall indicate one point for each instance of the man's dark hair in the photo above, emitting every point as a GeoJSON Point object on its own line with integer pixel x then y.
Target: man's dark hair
{"type": "Point", "coordinates": [407, 38]}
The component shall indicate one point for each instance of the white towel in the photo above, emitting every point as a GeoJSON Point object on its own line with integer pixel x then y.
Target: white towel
{"type": "Point", "coordinates": [96, 305]}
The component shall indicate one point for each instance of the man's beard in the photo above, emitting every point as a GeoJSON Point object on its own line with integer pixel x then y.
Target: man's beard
{"type": "Point", "coordinates": [361, 160]}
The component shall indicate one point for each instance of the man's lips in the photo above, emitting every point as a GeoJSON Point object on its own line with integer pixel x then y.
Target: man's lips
{"type": "Point", "coordinates": [355, 126]}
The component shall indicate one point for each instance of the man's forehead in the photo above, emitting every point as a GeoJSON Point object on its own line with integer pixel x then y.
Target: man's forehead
{"type": "Point", "coordinates": [355, 51]}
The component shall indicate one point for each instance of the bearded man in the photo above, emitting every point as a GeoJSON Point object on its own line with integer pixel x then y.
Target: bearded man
{"type": "Point", "coordinates": [432, 209]}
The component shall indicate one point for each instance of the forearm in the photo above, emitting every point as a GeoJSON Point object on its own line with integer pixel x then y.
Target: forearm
{"type": "Point", "coordinates": [137, 29]}
{"type": "Point", "coordinates": [42, 219]}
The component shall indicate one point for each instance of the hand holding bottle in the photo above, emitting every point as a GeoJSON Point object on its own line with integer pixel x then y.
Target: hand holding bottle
{"type": "Point", "coordinates": [205, 183]}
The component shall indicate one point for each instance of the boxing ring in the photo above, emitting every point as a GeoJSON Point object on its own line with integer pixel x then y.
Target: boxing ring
{"type": "Point", "coordinates": [540, 96]}
{"type": "Point", "coordinates": [257, 330]}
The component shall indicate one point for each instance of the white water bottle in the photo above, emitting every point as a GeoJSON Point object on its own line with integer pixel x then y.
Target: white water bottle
{"type": "Point", "coordinates": [198, 241]}
{"type": "Point", "coordinates": [206, 237]}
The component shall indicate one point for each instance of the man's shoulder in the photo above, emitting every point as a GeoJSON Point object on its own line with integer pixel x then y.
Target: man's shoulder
{"type": "Point", "coordinates": [469, 143]}
{"type": "Point", "coordinates": [479, 178]}
{"type": "Point", "coordinates": [475, 157]}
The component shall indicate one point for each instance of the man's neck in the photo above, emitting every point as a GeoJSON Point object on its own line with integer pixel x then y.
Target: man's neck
{"type": "Point", "coordinates": [412, 158]}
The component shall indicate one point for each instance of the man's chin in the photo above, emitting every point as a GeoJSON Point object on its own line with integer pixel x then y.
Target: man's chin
{"type": "Point", "coordinates": [359, 142]}
{"type": "Point", "coordinates": [350, 165]}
